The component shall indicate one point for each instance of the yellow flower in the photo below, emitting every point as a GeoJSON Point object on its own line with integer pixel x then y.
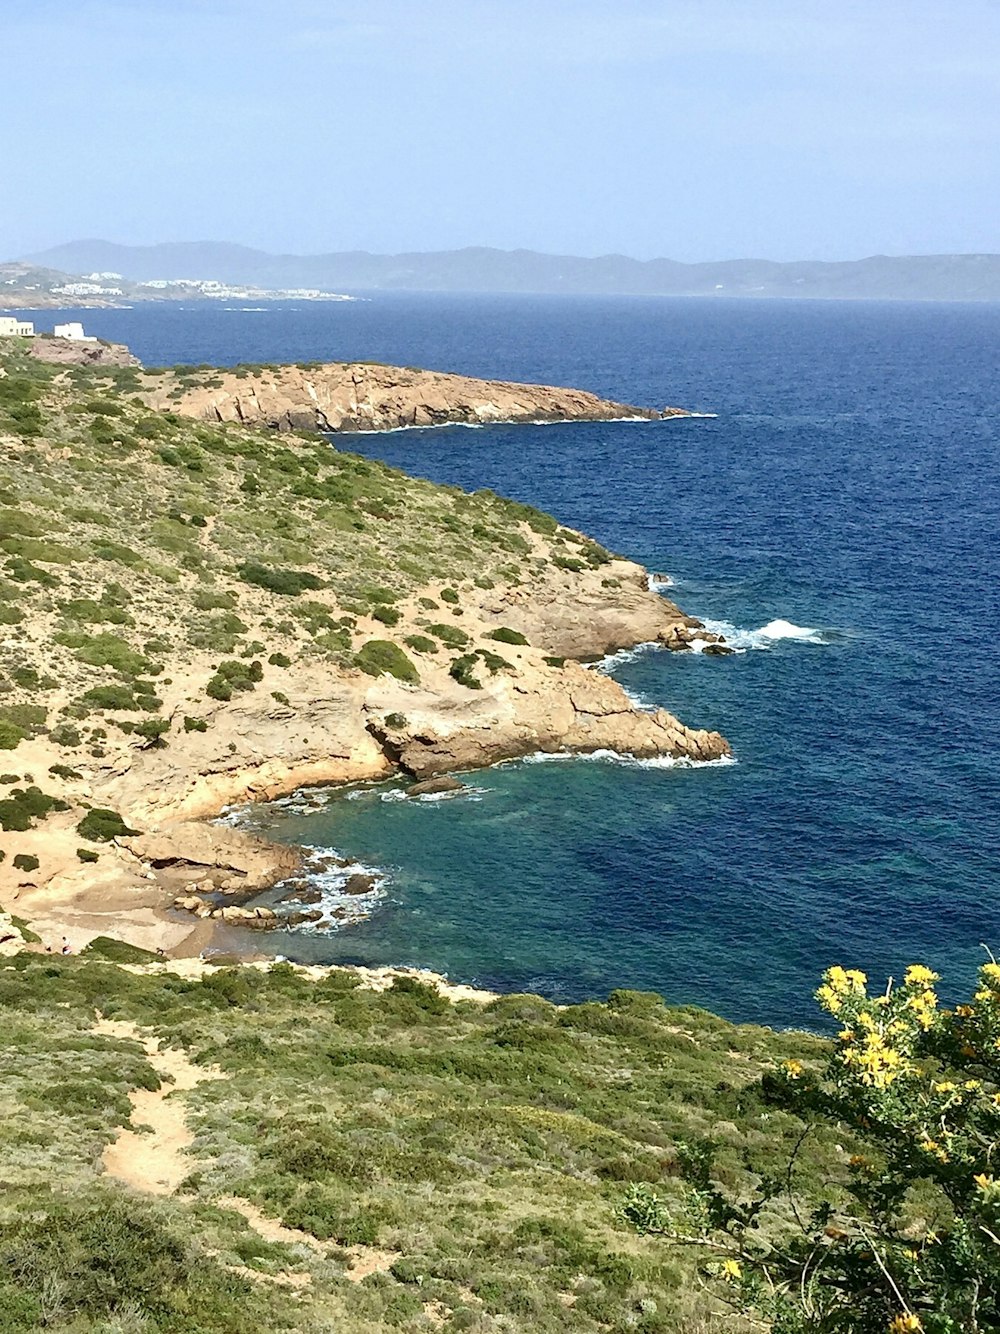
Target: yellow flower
{"type": "Point", "coordinates": [964, 1011]}
{"type": "Point", "coordinates": [973, 1085]}
{"type": "Point", "coordinates": [990, 972]}
{"type": "Point", "coordinates": [793, 1069]}
{"type": "Point", "coordinates": [732, 1269]}
{"type": "Point", "coordinates": [946, 1086]}
{"type": "Point", "coordinates": [919, 976]}
{"type": "Point", "coordinates": [984, 1182]}
{"type": "Point", "coordinates": [905, 1324]}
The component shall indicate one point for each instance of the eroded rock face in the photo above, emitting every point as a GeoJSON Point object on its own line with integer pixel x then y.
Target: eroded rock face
{"type": "Point", "coordinates": [248, 863]}
{"type": "Point", "coordinates": [570, 709]}
{"type": "Point", "coordinates": [71, 352]}
{"type": "Point", "coordinates": [362, 397]}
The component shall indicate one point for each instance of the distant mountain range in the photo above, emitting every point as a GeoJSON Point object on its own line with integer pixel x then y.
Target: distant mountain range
{"type": "Point", "coordinates": [479, 269]}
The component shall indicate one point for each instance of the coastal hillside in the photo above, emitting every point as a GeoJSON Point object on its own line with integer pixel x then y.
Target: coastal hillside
{"type": "Point", "coordinates": [199, 613]}
{"type": "Point", "coordinates": [190, 1150]}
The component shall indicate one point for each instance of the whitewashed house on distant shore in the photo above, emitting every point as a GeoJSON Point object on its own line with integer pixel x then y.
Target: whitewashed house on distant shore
{"type": "Point", "coordinates": [15, 328]}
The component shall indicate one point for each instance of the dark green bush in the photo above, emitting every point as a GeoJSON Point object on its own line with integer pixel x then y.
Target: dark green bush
{"type": "Point", "coordinates": [195, 724]}
{"type": "Point", "coordinates": [288, 582]}
{"type": "Point", "coordinates": [10, 736]}
{"type": "Point", "coordinates": [450, 635]}
{"type": "Point", "coordinates": [387, 615]}
{"type": "Point", "coordinates": [461, 670]}
{"type": "Point", "coordinates": [505, 635]}
{"type": "Point", "coordinates": [421, 643]}
{"type": "Point", "coordinates": [280, 660]}
{"type": "Point", "coordinates": [101, 825]}
{"type": "Point", "coordinates": [87, 854]}
{"type": "Point", "coordinates": [26, 861]}
{"type": "Point", "coordinates": [449, 595]}
{"type": "Point", "coordinates": [381, 655]}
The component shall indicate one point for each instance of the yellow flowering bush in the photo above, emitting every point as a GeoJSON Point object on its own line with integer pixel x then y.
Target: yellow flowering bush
{"type": "Point", "coordinates": [907, 1240]}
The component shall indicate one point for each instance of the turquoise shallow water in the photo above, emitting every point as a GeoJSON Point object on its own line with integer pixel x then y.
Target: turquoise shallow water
{"type": "Point", "coordinates": [850, 485]}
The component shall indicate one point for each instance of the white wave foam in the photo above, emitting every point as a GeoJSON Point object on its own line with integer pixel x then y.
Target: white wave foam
{"type": "Point", "coordinates": [625, 760]}
{"type": "Point", "coordinates": [740, 639]}
{"type": "Point", "coordinates": [484, 425]}
{"type": "Point", "coordinates": [338, 908]}
{"type": "Point", "coordinates": [659, 583]}
{"type": "Point", "coordinates": [610, 661]}
{"type": "Point", "coordinates": [431, 798]}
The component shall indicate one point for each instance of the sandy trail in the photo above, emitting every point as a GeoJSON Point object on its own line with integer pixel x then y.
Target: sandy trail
{"type": "Point", "coordinates": [154, 1162]}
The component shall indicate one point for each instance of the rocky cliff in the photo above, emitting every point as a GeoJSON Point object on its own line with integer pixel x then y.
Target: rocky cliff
{"type": "Point", "coordinates": [362, 396]}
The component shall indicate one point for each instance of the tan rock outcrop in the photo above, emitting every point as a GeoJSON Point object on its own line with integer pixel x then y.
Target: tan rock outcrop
{"type": "Point", "coordinates": [361, 396]}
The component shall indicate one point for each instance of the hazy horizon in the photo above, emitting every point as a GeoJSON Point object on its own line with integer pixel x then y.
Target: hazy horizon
{"type": "Point", "coordinates": [693, 130]}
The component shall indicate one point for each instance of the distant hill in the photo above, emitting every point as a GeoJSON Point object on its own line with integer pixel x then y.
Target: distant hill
{"type": "Point", "coordinates": [479, 269]}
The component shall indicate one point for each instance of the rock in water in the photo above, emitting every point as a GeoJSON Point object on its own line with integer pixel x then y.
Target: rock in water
{"type": "Point", "coordinates": [430, 786]}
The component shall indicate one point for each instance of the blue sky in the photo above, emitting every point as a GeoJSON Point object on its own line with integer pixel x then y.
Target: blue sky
{"type": "Point", "coordinates": [695, 129]}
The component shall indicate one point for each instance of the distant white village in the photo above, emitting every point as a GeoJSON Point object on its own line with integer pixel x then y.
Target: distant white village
{"type": "Point", "coordinates": [15, 328]}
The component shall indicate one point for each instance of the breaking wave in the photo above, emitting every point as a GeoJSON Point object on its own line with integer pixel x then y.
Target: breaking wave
{"type": "Point", "coordinates": [625, 760]}
{"type": "Point", "coordinates": [327, 873]}
{"type": "Point", "coordinates": [740, 640]}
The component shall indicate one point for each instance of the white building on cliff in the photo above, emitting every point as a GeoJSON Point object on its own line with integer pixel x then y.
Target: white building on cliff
{"type": "Point", "coordinates": [15, 328]}
{"type": "Point", "coordinates": [74, 331]}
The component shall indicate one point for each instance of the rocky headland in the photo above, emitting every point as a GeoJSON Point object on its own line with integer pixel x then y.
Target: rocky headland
{"type": "Point", "coordinates": [367, 396]}
{"type": "Point", "coordinates": [196, 614]}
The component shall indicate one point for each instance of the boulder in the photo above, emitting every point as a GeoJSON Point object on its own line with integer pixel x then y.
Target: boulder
{"type": "Point", "coordinates": [359, 884]}
{"type": "Point", "coordinates": [430, 786]}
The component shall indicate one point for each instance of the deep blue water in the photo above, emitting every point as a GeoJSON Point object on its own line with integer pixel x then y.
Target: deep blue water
{"type": "Point", "coordinates": [850, 484]}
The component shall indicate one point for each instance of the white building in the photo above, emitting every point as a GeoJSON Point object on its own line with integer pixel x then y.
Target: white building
{"type": "Point", "coordinates": [14, 328]}
{"type": "Point", "coordinates": [74, 331]}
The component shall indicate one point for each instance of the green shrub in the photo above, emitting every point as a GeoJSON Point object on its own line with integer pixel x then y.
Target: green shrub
{"type": "Point", "coordinates": [65, 734]}
{"type": "Point", "coordinates": [115, 951]}
{"type": "Point", "coordinates": [195, 724]}
{"type": "Point", "coordinates": [207, 600]}
{"type": "Point", "coordinates": [421, 643]}
{"type": "Point", "coordinates": [110, 697]}
{"type": "Point", "coordinates": [108, 650]}
{"type": "Point", "coordinates": [505, 635]}
{"type": "Point", "coordinates": [101, 825]}
{"type": "Point", "coordinates": [450, 635]}
{"type": "Point", "coordinates": [26, 861]}
{"type": "Point", "coordinates": [387, 615]}
{"type": "Point", "coordinates": [24, 806]}
{"type": "Point", "coordinates": [461, 670]}
{"type": "Point", "coordinates": [280, 660]}
{"type": "Point", "coordinates": [449, 595]}
{"type": "Point", "coordinates": [152, 730]}
{"type": "Point", "coordinates": [381, 655]}
{"type": "Point", "coordinates": [87, 854]}
{"type": "Point", "coordinates": [287, 582]}
{"type": "Point", "coordinates": [10, 736]}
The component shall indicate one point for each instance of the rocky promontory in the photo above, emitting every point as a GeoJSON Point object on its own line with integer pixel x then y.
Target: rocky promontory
{"type": "Point", "coordinates": [367, 396]}
{"type": "Point", "coordinates": [195, 614]}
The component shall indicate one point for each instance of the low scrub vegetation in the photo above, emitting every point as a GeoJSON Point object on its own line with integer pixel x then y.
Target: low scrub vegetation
{"type": "Point", "coordinates": [476, 1157]}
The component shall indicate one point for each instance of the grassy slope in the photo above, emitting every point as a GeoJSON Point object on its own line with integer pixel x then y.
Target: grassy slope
{"type": "Point", "coordinates": [487, 1147]}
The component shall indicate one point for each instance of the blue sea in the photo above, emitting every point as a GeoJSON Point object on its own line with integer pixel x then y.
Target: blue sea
{"type": "Point", "coordinates": [849, 485]}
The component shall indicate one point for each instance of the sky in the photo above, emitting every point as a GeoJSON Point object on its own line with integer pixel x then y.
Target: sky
{"type": "Point", "coordinates": [692, 129]}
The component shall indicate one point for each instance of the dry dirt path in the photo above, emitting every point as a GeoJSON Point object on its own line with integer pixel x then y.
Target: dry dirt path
{"type": "Point", "coordinates": [155, 1161]}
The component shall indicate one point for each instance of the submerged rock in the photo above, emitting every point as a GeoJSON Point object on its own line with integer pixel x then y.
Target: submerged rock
{"type": "Point", "coordinates": [431, 786]}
